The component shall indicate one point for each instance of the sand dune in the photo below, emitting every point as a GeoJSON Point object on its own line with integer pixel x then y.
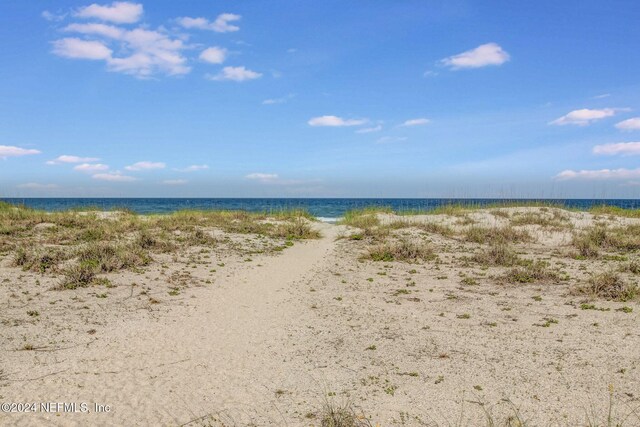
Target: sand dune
{"type": "Point", "coordinates": [274, 337]}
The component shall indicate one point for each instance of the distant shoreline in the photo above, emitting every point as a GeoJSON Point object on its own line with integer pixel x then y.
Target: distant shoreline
{"type": "Point", "coordinates": [317, 207]}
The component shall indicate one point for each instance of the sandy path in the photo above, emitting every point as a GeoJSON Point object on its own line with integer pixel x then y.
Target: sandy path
{"type": "Point", "coordinates": [228, 353]}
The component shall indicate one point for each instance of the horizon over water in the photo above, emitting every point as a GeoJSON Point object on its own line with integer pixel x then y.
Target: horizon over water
{"type": "Point", "coordinates": [322, 208]}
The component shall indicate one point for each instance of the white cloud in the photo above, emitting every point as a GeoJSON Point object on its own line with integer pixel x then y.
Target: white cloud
{"type": "Point", "coordinates": [71, 159]}
{"type": "Point", "coordinates": [153, 52]}
{"type": "Point", "coordinates": [175, 181]}
{"type": "Point", "coordinates": [11, 151]}
{"type": "Point", "coordinates": [377, 128]}
{"type": "Point", "coordinates": [145, 165]}
{"type": "Point", "coordinates": [604, 95]}
{"type": "Point", "coordinates": [37, 186]}
{"type": "Point", "coordinates": [193, 168]}
{"type": "Point", "coordinates": [236, 74]}
{"type": "Point", "coordinates": [416, 122]}
{"type": "Point", "coordinates": [146, 51]}
{"type": "Point", "coordinates": [482, 56]}
{"type": "Point", "coordinates": [335, 121]}
{"type": "Point", "coordinates": [53, 17]}
{"type": "Point", "coordinates": [75, 48]}
{"type": "Point", "coordinates": [220, 25]}
{"type": "Point", "coordinates": [113, 177]}
{"type": "Point", "coordinates": [214, 55]}
{"type": "Point", "coordinates": [91, 167]}
{"type": "Point", "coordinates": [282, 100]}
{"type": "Point", "coordinates": [104, 30]}
{"type": "Point", "coordinates": [583, 117]}
{"type": "Point", "coordinates": [629, 124]}
{"type": "Point", "coordinates": [601, 174]}
{"type": "Point", "coordinates": [262, 177]}
{"type": "Point", "coordinates": [120, 12]}
{"type": "Point", "coordinates": [624, 148]}
{"type": "Point", "coordinates": [273, 101]}
{"type": "Point", "coordinates": [391, 139]}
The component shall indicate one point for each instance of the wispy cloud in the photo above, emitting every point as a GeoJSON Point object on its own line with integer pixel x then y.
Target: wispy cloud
{"type": "Point", "coordinates": [75, 48]}
{"type": "Point", "coordinates": [584, 117]}
{"type": "Point", "coordinates": [629, 124]}
{"type": "Point", "coordinates": [377, 128]}
{"type": "Point", "coordinates": [273, 101]}
{"type": "Point", "coordinates": [37, 186]}
{"type": "Point", "coordinates": [193, 168]}
{"type": "Point", "coordinates": [71, 159]}
{"type": "Point", "coordinates": [335, 121]}
{"type": "Point", "coordinates": [600, 174]}
{"type": "Point", "coordinates": [624, 148]}
{"type": "Point", "coordinates": [145, 165]}
{"type": "Point", "coordinates": [236, 74]}
{"type": "Point", "coordinates": [175, 182]}
{"type": "Point", "coordinates": [53, 17]}
{"type": "Point", "coordinates": [142, 52]}
{"type": "Point", "coordinates": [221, 24]}
{"type": "Point", "coordinates": [11, 151]}
{"type": "Point", "coordinates": [120, 12]}
{"type": "Point", "coordinates": [416, 122]}
{"type": "Point", "coordinates": [116, 176]}
{"type": "Point", "coordinates": [91, 167]}
{"type": "Point", "coordinates": [214, 55]}
{"type": "Point", "coordinates": [273, 179]}
{"type": "Point", "coordinates": [262, 177]}
{"type": "Point", "coordinates": [482, 56]}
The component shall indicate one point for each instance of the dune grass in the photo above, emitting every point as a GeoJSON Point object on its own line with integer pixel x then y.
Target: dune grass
{"type": "Point", "coordinates": [497, 255]}
{"type": "Point", "coordinates": [591, 240]}
{"type": "Point", "coordinates": [608, 285]}
{"type": "Point", "coordinates": [496, 235]}
{"type": "Point", "coordinates": [400, 250]}
{"type": "Point", "coordinates": [531, 272]}
{"type": "Point", "coordinates": [80, 244]}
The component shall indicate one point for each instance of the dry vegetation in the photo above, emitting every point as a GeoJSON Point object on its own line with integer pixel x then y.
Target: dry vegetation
{"type": "Point", "coordinates": [408, 304]}
{"type": "Point", "coordinates": [81, 245]}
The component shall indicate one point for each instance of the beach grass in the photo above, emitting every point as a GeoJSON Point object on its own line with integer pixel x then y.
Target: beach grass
{"type": "Point", "coordinates": [80, 244]}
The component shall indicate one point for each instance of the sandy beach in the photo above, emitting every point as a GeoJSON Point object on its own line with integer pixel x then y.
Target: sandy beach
{"type": "Point", "coordinates": [487, 315]}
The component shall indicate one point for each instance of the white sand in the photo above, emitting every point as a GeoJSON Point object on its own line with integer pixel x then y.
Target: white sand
{"type": "Point", "coordinates": [270, 339]}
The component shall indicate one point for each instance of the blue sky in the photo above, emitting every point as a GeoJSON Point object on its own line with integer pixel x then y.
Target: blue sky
{"type": "Point", "coordinates": [320, 99]}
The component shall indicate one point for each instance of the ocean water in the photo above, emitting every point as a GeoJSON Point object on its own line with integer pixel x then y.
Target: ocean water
{"type": "Point", "coordinates": [324, 209]}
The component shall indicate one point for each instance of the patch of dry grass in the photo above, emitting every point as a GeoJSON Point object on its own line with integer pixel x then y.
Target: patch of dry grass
{"type": "Point", "coordinates": [81, 244]}
{"type": "Point", "coordinates": [531, 272]}
{"type": "Point", "coordinates": [400, 250]}
{"type": "Point", "coordinates": [333, 414]}
{"type": "Point", "coordinates": [496, 235]}
{"type": "Point", "coordinates": [610, 286]}
{"type": "Point", "coordinates": [556, 220]}
{"type": "Point", "coordinates": [591, 240]}
{"type": "Point", "coordinates": [497, 254]}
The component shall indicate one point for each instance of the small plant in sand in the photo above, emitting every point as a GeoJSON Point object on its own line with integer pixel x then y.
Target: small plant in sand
{"type": "Point", "coordinates": [400, 250]}
{"type": "Point", "coordinates": [531, 272]}
{"type": "Point", "coordinates": [592, 239]}
{"type": "Point", "coordinates": [38, 259]}
{"type": "Point", "coordinates": [496, 235]}
{"type": "Point", "coordinates": [78, 276]}
{"type": "Point", "coordinates": [610, 286]}
{"type": "Point", "coordinates": [632, 266]}
{"type": "Point", "coordinates": [557, 220]}
{"type": "Point", "coordinates": [298, 228]}
{"type": "Point", "coordinates": [497, 254]}
{"type": "Point", "coordinates": [333, 414]}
